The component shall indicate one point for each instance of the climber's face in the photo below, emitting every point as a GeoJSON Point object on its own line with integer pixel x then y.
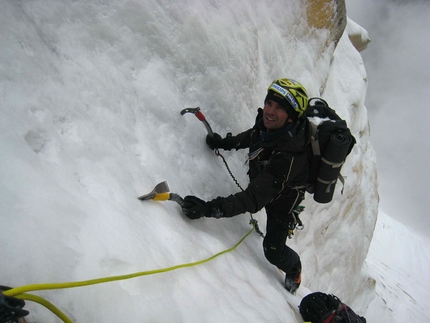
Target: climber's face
{"type": "Point", "coordinates": [274, 115]}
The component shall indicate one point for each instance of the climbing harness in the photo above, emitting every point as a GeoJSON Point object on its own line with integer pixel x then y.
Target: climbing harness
{"type": "Point", "coordinates": [296, 223]}
{"type": "Point", "coordinates": [201, 117]}
{"type": "Point", "coordinates": [11, 299]}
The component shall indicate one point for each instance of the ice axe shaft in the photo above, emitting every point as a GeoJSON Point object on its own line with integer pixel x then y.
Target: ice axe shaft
{"type": "Point", "coordinates": [176, 198]}
{"type": "Point", "coordinates": [200, 116]}
{"type": "Point", "coordinates": [169, 197]}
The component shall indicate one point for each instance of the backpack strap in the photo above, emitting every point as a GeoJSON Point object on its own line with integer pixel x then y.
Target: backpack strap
{"type": "Point", "coordinates": [314, 140]}
{"type": "Point", "coordinates": [342, 180]}
{"type": "Point", "coordinates": [334, 313]}
{"type": "Point", "coordinates": [340, 177]}
{"type": "Point", "coordinates": [330, 318]}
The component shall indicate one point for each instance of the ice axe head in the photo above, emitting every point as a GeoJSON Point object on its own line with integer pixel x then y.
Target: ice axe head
{"type": "Point", "coordinates": [200, 116]}
{"type": "Point", "coordinates": [196, 112]}
{"type": "Point", "coordinates": [161, 193]}
{"type": "Point", "coordinates": [160, 188]}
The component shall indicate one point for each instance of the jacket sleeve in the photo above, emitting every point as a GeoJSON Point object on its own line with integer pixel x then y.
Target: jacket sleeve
{"type": "Point", "coordinates": [258, 193]}
{"type": "Point", "coordinates": [243, 140]}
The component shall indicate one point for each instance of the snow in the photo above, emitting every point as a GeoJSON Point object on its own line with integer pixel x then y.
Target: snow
{"type": "Point", "coordinates": [90, 100]}
{"type": "Point", "coordinates": [398, 260]}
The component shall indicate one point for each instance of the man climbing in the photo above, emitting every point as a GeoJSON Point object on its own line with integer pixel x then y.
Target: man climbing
{"type": "Point", "coordinates": [278, 173]}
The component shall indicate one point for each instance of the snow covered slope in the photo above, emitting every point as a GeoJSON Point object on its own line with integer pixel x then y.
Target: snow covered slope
{"type": "Point", "coordinates": [398, 260]}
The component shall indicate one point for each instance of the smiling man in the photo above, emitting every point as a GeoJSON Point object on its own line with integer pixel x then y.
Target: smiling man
{"type": "Point", "coordinates": [278, 173]}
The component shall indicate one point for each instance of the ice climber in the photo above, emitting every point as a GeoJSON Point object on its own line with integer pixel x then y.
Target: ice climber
{"type": "Point", "coordinates": [278, 173]}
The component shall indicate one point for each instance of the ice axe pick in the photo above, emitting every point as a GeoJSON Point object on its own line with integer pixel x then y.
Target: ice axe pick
{"type": "Point", "coordinates": [200, 116]}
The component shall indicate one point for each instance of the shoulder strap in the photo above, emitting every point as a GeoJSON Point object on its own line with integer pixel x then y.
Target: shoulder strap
{"type": "Point", "coordinates": [314, 140]}
{"type": "Point", "coordinates": [334, 313]}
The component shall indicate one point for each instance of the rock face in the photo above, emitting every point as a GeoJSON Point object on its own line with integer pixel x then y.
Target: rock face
{"type": "Point", "coordinates": [332, 16]}
{"type": "Point", "coordinates": [331, 249]}
{"type": "Point", "coordinates": [327, 14]}
{"type": "Point", "coordinates": [357, 35]}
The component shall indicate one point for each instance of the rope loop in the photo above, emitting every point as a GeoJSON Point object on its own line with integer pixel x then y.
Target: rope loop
{"type": "Point", "coordinates": [252, 222]}
{"type": "Point", "coordinates": [228, 169]}
{"type": "Point", "coordinates": [20, 293]}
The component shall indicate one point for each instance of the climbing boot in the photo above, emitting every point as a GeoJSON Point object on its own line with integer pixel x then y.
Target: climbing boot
{"type": "Point", "coordinates": [292, 282]}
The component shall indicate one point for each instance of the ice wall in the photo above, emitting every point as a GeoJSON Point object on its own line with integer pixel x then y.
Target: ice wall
{"type": "Point", "coordinates": [90, 99]}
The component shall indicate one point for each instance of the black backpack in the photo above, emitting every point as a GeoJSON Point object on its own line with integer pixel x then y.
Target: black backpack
{"type": "Point", "coordinates": [323, 308]}
{"type": "Point", "coordinates": [331, 142]}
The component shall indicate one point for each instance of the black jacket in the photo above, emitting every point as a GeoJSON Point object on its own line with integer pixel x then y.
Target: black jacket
{"type": "Point", "coordinates": [278, 169]}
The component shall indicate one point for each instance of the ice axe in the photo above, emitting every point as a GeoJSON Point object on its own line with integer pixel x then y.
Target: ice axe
{"type": "Point", "coordinates": [161, 190]}
{"type": "Point", "coordinates": [200, 116]}
{"type": "Point", "coordinates": [161, 193]}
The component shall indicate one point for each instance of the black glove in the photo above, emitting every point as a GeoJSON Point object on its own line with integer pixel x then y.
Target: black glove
{"type": "Point", "coordinates": [195, 208]}
{"type": "Point", "coordinates": [215, 141]}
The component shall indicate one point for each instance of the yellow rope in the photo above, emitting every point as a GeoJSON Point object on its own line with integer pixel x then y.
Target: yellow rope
{"type": "Point", "coordinates": [19, 291]}
{"type": "Point", "coordinates": [48, 305]}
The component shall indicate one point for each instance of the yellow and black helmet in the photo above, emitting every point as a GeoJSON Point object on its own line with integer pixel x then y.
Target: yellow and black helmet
{"type": "Point", "coordinates": [290, 94]}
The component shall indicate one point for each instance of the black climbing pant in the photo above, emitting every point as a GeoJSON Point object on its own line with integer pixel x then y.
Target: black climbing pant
{"type": "Point", "coordinates": [275, 250]}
